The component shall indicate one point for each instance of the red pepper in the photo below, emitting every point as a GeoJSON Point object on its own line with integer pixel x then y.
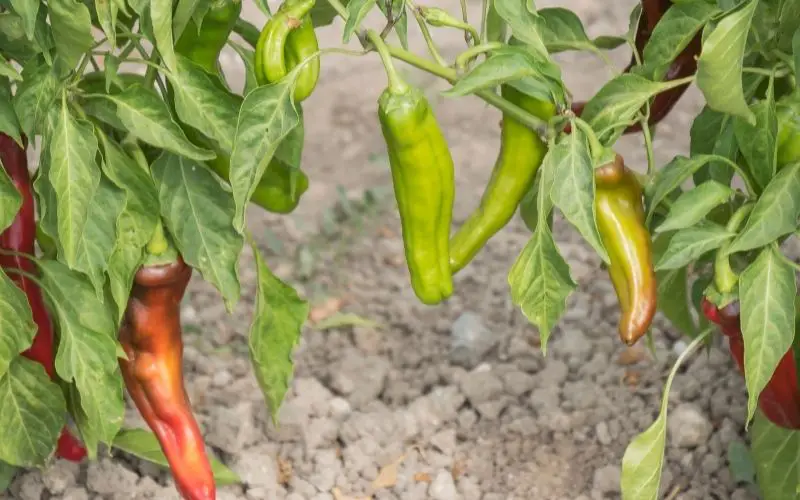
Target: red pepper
{"type": "Point", "coordinates": [684, 65]}
{"type": "Point", "coordinates": [20, 237]}
{"type": "Point", "coordinates": [780, 399]}
{"type": "Point", "coordinates": [152, 339]}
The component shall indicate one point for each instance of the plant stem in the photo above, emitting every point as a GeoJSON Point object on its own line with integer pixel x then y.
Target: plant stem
{"type": "Point", "coordinates": [426, 33]}
{"type": "Point", "coordinates": [339, 8]}
{"type": "Point", "coordinates": [247, 31]}
{"type": "Point", "coordinates": [463, 59]}
{"type": "Point", "coordinates": [396, 84]}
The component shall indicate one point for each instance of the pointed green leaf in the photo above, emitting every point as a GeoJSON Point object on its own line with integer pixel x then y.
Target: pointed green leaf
{"type": "Point", "coordinates": [72, 29]}
{"type": "Point", "coordinates": [277, 323]}
{"type": "Point", "coordinates": [248, 58]}
{"type": "Point", "coordinates": [690, 243]}
{"type": "Point", "coordinates": [712, 133]}
{"type": "Point", "coordinates": [7, 70]}
{"type": "Point", "coordinates": [198, 212]}
{"type": "Point", "coordinates": [644, 457]}
{"type": "Point", "coordinates": [524, 23]}
{"type": "Point", "coordinates": [719, 68]}
{"type": "Point", "coordinates": [562, 30]}
{"type": "Point", "coordinates": [74, 175]}
{"type": "Point", "coordinates": [776, 453]}
{"type": "Point", "coordinates": [692, 206]}
{"type": "Point", "coordinates": [512, 64]}
{"type": "Point", "coordinates": [357, 10]}
{"type": "Point", "coordinates": [35, 95]}
{"type": "Point", "coordinates": [16, 322]}
{"type": "Point", "coordinates": [758, 142]}
{"type": "Point", "coordinates": [673, 290]}
{"type": "Point", "coordinates": [9, 124]}
{"type": "Point", "coordinates": [161, 17]}
{"type": "Point", "coordinates": [266, 117]}
{"type": "Point", "coordinates": [100, 417]}
{"type": "Point", "coordinates": [28, 11]}
{"type": "Point", "coordinates": [670, 177]}
{"type": "Point", "coordinates": [766, 290]}
{"type": "Point", "coordinates": [10, 199]}
{"type": "Point", "coordinates": [31, 416]}
{"type": "Point", "coordinates": [107, 15]}
{"type": "Point", "coordinates": [775, 213]}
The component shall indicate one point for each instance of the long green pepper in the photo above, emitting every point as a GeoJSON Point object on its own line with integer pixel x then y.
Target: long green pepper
{"type": "Point", "coordinates": [423, 176]}
{"type": "Point", "coordinates": [203, 45]}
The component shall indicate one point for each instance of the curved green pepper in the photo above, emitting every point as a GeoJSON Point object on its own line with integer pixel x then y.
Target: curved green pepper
{"type": "Point", "coordinates": [424, 182]}
{"type": "Point", "coordinates": [521, 153]}
{"type": "Point", "coordinates": [789, 129]}
{"type": "Point", "coordinates": [288, 39]}
{"type": "Point", "coordinates": [621, 222]}
{"type": "Point", "coordinates": [203, 47]}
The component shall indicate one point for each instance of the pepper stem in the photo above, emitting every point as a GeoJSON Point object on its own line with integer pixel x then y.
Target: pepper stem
{"type": "Point", "coordinates": [396, 84]}
{"type": "Point", "coordinates": [725, 278]}
{"type": "Point", "coordinates": [158, 243]}
{"type": "Point", "coordinates": [463, 59]}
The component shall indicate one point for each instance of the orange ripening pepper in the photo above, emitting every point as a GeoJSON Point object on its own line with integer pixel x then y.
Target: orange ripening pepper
{"type": "Point", "coordinates": [621, 222]}
{"type": "Point", "coordinates": [151, 336]}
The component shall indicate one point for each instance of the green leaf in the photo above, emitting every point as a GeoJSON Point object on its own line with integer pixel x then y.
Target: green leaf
{"type": "Point", "coordinates": [266, 117]}
{"type": "Point", "coordinates": [35, 95]}
{"type": "Point", "coordinates": [74, 176]}
{"type": "Point", "coordinates": [357, 10]}
{"type": "Point", "coordinates": [712, 133]}
{"type": "Point", "coordinates": [774, 214]}
{"type": "Point", "coordinates": [107, 16]}
{"type": "Point", "coordinates": [758, 143]}
{"type": "Point", "coordinates": [574, 192]}
{"type": "Point", "coordinates": [16, 322]}
{"type": "Point", "coordinates": [277, 323]}
{"type": "Point", "coordinates": [7, 473]}
{"type": "Point", "coordinates": [9, 124]}
{"type": "Point", "coordinates": [719, 68]}
{"type": "Point", "coordinates": [87, 350]}
{"type": "Point", "coordinates": [766, 290]}
{"type": "Point", "coordinates": [28, 11]}
{"type": "Point", "coordinates": [776, 453]}
{"type": "Point", "coordinates": [145, 115]}
{"type": "Point", "coordinates": [198, 212]}
{"type": "Point", "coordinates": [13, 39]}
{"type": "Point", "coordinates": [143, 444]}
{"type": "Point", "coordinates": [204, 104]}
{"type": "Point", "coordinates": [644, 457]}
{"type": "Point", "coordinates": [99, 234]}
{"type": "Point", "coordinates": [670, 177]}
{"type": "Point", "coordinates": [510, 65]}
{"type": "Point", "coordinates": [401, 20]}
{"type": "Point", "coordinates": [541, 282]}
{"type": "Point", "coordinates": [10, 199]}
{"type": "Point", "coordinates": [673, 290]}
{"type": "Point", "coordinates": [562, 30]}
{"type": "Point", "coordinates": [692, 206]}
{"type": "Point", "coordinates": [524, 24]}
{"type": "Point", "coordinates": [8, 71]}
{"type": "Point", "coordinates": [616, 104]}
{"type": "Point", "coordinates": [672, 34]}
{"type": "Point", "coordinates": [796, 52]}
{"type": "Point", "coordinates": [183, 14]}
{"type": "Point", "coordinates": [690, 243]}
{"type": "Point", "coordinates": [161, 17]}
{"type": "Point", "coordinates": [100, 416]}
{"type": "Point", "coordinates": [31, 416]}
{"type": "Point", "coordinates": [72, 29]}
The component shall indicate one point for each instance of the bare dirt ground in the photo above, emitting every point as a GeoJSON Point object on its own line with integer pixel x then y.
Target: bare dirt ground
{"type": "Point", "coordinates": [394, 411]}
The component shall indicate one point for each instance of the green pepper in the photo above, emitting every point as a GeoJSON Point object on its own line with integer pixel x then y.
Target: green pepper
{"type": "Point", "coordinates": [204, 46]}
{"type": "Point", "coordinates": [521, 153]}
{"type": "Point", "coordinates": [621, 221]}
{"type": "Point", "coordinates": [287, 40]}
{"type": "Point", "coordinates": [424, 182]}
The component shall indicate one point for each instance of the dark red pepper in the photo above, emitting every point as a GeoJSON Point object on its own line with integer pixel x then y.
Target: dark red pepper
{"type": "Point", "coordinates": [20, 237]}
{"type": "Point", "coordinates": [683, 66]}
{"type": "Point", "coordinates": [780, 399]}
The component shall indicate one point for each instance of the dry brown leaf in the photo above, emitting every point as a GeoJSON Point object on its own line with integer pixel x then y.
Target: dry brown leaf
{"type": "Point", "coordinates": [423, 477]}
{"type": "Point", "coordinates": [338, 495]}
{"type": "Point", "coordinates": [387, 477]}
{"type": "Point", "coordinates": [631, 356]}
{"type": "Point", "coordinates": [284, 471]}
{"type": "Point", "coordinates": [326, 309]}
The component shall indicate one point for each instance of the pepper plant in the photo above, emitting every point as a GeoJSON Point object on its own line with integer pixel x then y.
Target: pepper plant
{"type": "Point", "coordinates": [144, 177]}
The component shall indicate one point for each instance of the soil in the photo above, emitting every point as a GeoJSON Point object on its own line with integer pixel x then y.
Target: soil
{"type": "Point", "coordinates": [449, 402]}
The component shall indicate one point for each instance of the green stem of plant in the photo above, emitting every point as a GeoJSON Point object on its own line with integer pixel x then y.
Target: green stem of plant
{"type": "Point", "coordinates": [463, 59]}
{"type": "Point", "coordinates": [247, 31]}
{"type": "Point", "coordinates": [339, 8]}
{"type": "Point", "coordinates": [426, 33]}
{"type": "Point", "coordinates": [648, 143]}
{"type": "Point", "coordinates": [775, 73]}
{"type": "Point", "coordinates": [474, 33]}
{"type": "Point", "coordinates": [786, 259]}
{"type": "Point", "coordinates": [595, 146]}
{"type": "Point", "coordinates": [725, 278]}
{"type": "Point", "coordinates": [396, 84]}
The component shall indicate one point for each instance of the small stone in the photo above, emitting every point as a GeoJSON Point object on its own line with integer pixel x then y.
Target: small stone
{"type": "Point", "coordinates": [606, 479]}
{"type": "Point", "coordinates": [573, 344]}
{"type": "Point", "coordinates": [445, 441]}
{"type": "Point", "coordinates": [367, 339]}
{"type": "Point", "coordinates": [467, 419]}
{"type": "Point", "coordinates": [544, 399]}
{"type": "Point", "coordinates": [603, 435]}
{"type": "Point", "coordinates": [295, 496]}
{"type": "Point", "coordinates": [481, 386]}
{"type": "Point", "coordinates": [526, 426]}
{"type": "Point", "coordinates": [222, 378]}
{"type": "Point", "coordinates": [60, 475]}
{"type": "Point", "coordinates": [321, 431]}
{"type": "Point", "coordinates": [679, 347]}
{"type": "Point", "coordinates": [469, 488]}
{"type": "Point", "coordinates": [107, 477]}
{"type": "Point", "coordinates": [443, 487]}
{"type": "Point", "coordinates": [339, 408]}
{"type": "Point", "coordinates": [741, 494]}
{"type": "Point", "coordinates": [553, 374]}
{"type": "Point", "coordinates": [232, 429]}
{"type": "Point", "coordinates": [256, 467]}
{"type": "Point", "coordinates": [302, 487]}
{"type": "Point", "coordinates": [470, 340]}
{"type": "Point", "coordinates": [518, 383]}
{"type": "Point", "coordinates": [322, 496]}
{"type": "Point", "coordinates": [30, 486]}
{"type": "Point", "coordinates": [360, 379]}
{"type": "Point", "coordinates": [710, 464]}
{"type": "Point", "coordinates": [688, 427]}
{"type": "Point", "coordinates": [491, 410]}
